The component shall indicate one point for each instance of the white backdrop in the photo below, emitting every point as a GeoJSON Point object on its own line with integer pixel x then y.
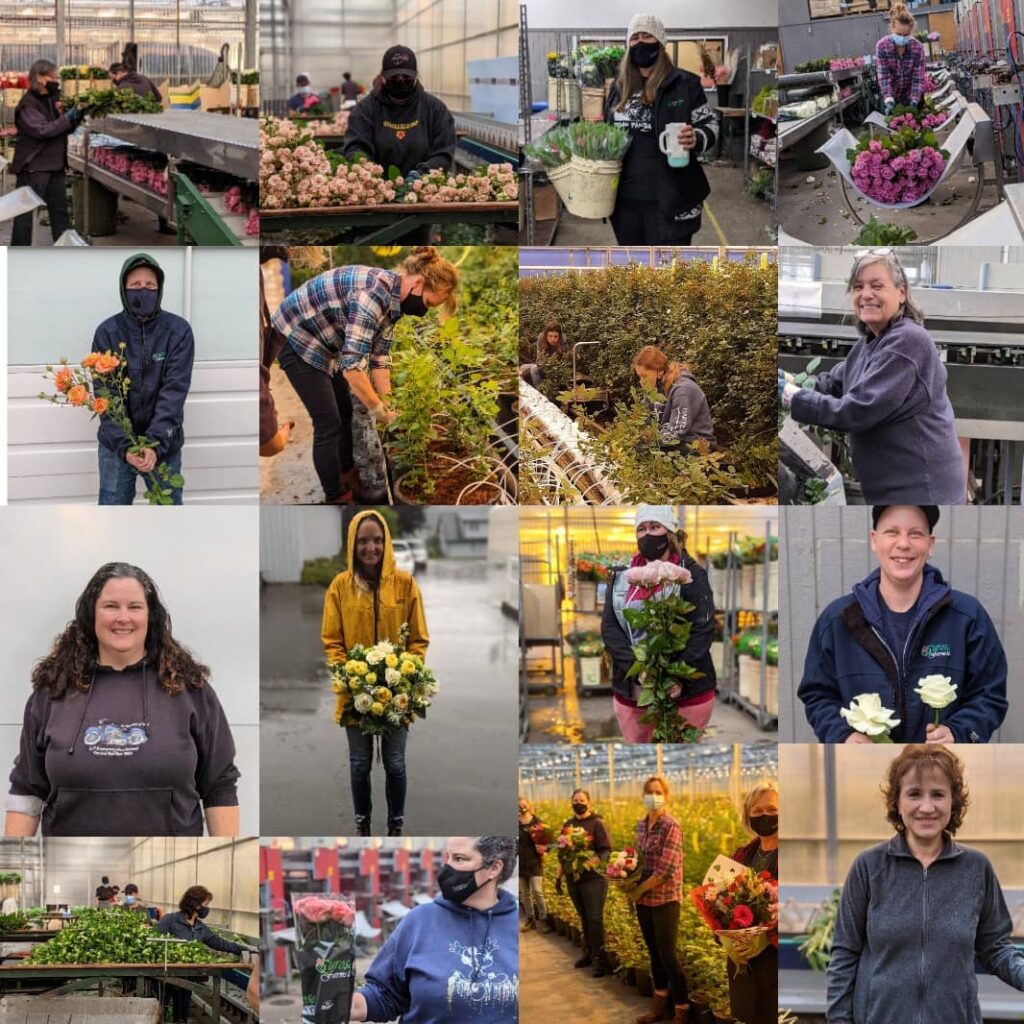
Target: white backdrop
{"type": "Point", "coordinates": [205, 563]}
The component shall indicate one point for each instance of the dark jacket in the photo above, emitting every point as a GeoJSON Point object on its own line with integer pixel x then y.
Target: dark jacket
{"type": "Point", "coordinates": [684, 416]}
{"type": "Point", "coordinates": [951, 635]}
{"type": "Point", "coordinates": [42, 143]}
{"type": "Point", "coordinates": [679, 190]}
{"type": "Point", "coordinates": [126, 758]}
{"type": "Point", "coordinates": [531, 865]}
{"type": "Point", "coordinates": [415, 136]}
{"type": "Point", "coordinates": [177, 925]}
{"type": "Point", "coordinates": [140, 85]}
{"type": "Point", "coordinates": [601, 843]}
{"type": "Point", "coordinates": [889, 395]}
{"type": "Point", "coordinates": [160, 352]}
{"type": "Point", "coordinates": [906, 938]}
{"type": "Point", "coordinates": [698, 650]}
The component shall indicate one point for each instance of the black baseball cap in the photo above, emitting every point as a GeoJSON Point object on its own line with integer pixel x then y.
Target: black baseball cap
{"type": "Point", "coordinates": [931, 513]}
{"type": "Point", "coordinates": [398, 60]}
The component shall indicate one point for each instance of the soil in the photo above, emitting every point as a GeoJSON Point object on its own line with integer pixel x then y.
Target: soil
{"type": "Point", "coordinates": [449, 481]}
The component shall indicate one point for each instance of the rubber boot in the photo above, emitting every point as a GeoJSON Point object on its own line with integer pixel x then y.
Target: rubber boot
{"type": "Point", "coordinates": [682, 1015]}
{"type": "Point", "coordinates": [659, 1004]}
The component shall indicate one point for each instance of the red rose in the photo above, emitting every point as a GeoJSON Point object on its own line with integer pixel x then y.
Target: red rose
{"type": "Point", "coordinates": [742, 917]}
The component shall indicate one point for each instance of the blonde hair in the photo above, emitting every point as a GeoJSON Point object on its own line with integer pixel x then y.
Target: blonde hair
{"type": "Point", "coordinates": [650, 357]}
{"type": "Point", "coordinates": [629, 80]}
{"type": "Point", "coordinates": [438, 274]}
{"type": "Point", "coordinates": [753, 796]}
{"type": "Point", "coordinates": [309, 257]}
{"type": "Point", "coordinates": [899, 14]}
{"type": "Point", "coordinates": [662, 780]}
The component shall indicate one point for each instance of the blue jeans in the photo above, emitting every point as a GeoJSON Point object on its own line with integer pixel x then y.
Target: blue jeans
{"type": "Point", "coordinates": [360, 766]}
{"type": "Point", "coordinates": [118, 479]}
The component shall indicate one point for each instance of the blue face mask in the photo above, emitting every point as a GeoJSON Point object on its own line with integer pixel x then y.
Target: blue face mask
{"type": "Point", "coordinates": [142, 302]}
{"type": "Point", "coordinates": [129, 900]}
{"type": "Point", "coordinates": [204, 911]}
{"type": "Point", "coordinates": [900, 40]}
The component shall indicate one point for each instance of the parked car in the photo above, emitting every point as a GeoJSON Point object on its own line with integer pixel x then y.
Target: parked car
{"type": "Point", "coordinates": [404, 558]}
{"type": "Point", "coordinates": [419, 551]}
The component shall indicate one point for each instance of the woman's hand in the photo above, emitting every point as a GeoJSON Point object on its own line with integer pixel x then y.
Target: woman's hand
{"type": "Point", "coordinates": [358, 1006]}
{"type": "Point", "coordinates": [687, 137]}
{"type": "Point", "coordinates": [938, 734]}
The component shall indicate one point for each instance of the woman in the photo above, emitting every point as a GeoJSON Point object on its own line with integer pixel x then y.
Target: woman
{"type": "Point", "coordinates": [551, 344]}
{"type": "Point", "coordinates": [369, 602]}
{"type": "Point", "coordinates": [889, 395]}
{"type": "Point", "coordinates": [589, 889]}
{"type": "Point", "coordinates": [754, 991]}
{"type": "Point", "coordinates": [337, 330]}
{"type": "Point", "coordinates": [531, 870]}
{"type": "Point", "coordinates": [187, 923]}
{"type": "Point", "coordinates": [656, 527]}
{"type": "Point", "coordinates": [457, 958]}
{"type": "Point", "coordinates": [684, 417]}
{"type": "Point", "coordinates": [659, 840]}
{"type": "Point", "coordinates": [917, 910]}
{"type": "Point", "coordinates": [655, 203]}
{"type": "Point", "coordinates": [900, 62]}
{"type": "Point", "coordinates": [104, 894]}
{"type": "Point", "coordinates": [123, 735]}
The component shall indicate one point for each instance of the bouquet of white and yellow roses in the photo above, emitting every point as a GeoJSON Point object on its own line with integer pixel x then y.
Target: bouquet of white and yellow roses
{"type": "Point", "coordinates": [387, 687]}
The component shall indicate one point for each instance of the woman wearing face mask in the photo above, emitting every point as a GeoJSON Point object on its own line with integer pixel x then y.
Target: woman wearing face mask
{"type": "Point", "coordinates": [659, 839]}
{"type": "Point", "coordinates": [917, 910]}
{"type": "Point", "coordinates": [656, 527]}
{"type": "Point", "coordinates": [589, 890]}
{"type": "Point", "coordinates": [123, 734]}
{"type": "Point", "coordinates": [888, 394]}
{"type": "Point", "coordinates": [684, 417]}
{"type": "Point", "coordinates": [367, 603]}
{"type": "Point", "coordinates": [457, 958]}
{"type": "Point", "coordinates": [336, 346]}
{"type": "Point", "coordinates": [900, 62]}
{"type": "Point", "coordinates": [754, 992]}
{"type": "Point", "coordinates": [656, 203]}
{"type": "Point", "coordinates": [551, 344]}
{"type": "Point", "coordinates": [531, 870]}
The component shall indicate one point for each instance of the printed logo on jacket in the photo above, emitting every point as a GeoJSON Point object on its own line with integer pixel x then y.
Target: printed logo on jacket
{"type": "Point", "coordinates": [112, 739]}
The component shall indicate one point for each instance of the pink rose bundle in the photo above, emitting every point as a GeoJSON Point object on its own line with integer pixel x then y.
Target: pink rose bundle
{"type": "Point", "coordinates": [323, 918]}
{"type": "Point", "coordinates": [910, 121]}
{"type": "Point", "coordinates": [903, 167]}
{"type": "Point", "coordinates": [653, 574]}
{"type": "Point", "coordinates": [844, 63]}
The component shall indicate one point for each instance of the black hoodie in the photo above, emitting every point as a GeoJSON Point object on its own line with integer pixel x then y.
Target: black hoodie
{"type": "Point", "coordinates": [125, 759]}
{"type": "Point", "coordinates": [43, 131]}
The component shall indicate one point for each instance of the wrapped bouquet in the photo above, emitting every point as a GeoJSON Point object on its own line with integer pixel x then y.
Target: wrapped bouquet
{"type": "Point", "coordinates": [576, 851]}
{"type": "Point", "coordinates": [625, 869]}
{"type": "Point", "coordinates": [325, 950]}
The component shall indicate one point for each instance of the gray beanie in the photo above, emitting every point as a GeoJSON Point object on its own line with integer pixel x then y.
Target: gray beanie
{"type": "Point", "coordinates": [649, 23]}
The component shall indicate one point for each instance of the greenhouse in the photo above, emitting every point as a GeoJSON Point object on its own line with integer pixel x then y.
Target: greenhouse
{"type": "Point", "coordinates": [151, 111]}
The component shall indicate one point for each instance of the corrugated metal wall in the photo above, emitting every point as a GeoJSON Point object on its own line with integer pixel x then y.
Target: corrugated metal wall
{"type": "Point", "coordinates": [291, 534]}
{"type": "Point", "coordinates": [825, 551]}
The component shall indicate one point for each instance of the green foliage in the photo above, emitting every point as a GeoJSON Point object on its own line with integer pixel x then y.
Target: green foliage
{"type": "Point", "coordinates": [10, 877]}
{"type": "Point", "coordinates": [17, 922]}
{"type": "Point", "coordinates": [590, 140]}
{"type": "Point", "coordinates": [762, 183]}
{"type": "Point", "coordinates": [97, 103]}
{"type": "Point", "coordinates": [879, 233]}
{"type": "Point", "coordinates": [320, 571]}
{"type": "Point", "coordinates": [817, 948]}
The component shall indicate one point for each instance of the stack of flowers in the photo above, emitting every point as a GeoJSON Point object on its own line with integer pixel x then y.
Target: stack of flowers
{"type": "Point", "coordinates": [337, 125]}
{"type": "Point", "coordinates": [13, 80]}
{"type": "Point", "coordinates": [908, 117]}
{"type": "Point", "coordinates": [139, 168]}
{"type": "Point", "coordinates": [322, 918]}
{"type": "Point", "coordinates": [930, 85]}
{"type": "Point", "coordinates": [902, 168]}
{"type": "Point", "coordinates": [844, 63]}
{"type": "Point", "coordinates": [542, 837]}
{"type": "Point", "coordinates": [493, 183]}
{"type": "Point", "coordinates": [235, 203]}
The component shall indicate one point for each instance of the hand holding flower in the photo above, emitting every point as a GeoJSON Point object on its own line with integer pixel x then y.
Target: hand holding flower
{"type": "Point", "coordinates": [938, 734]}
{"type": "Point", "coordinates": [866, 715]}
{"type": "Point", "coordinates": [937, 692]}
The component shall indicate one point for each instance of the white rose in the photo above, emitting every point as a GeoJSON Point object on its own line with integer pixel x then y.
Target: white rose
{"type": "Point", "coordinates": [392, 676]}
{"type": "Point", "coordinates": [866, 714]}
{"type": "Point", "coordinates": [385, 647]}
{"type": "Point", "coordinates": [374, 656]}
{"type": "Point", "coordinates": [363, 703]}
{"type": "Point", "coordinates": [936, 691]}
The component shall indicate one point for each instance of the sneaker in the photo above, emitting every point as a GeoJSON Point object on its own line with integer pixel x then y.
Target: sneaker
{"type": "Point", "coordinates": [363, 829]}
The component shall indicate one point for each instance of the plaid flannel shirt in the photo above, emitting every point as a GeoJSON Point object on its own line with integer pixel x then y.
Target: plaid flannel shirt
{"type": "Point", "coordinates": [342, 319]}
{"type": "Point", "coordinates": [902, 78]}
{"type": "Point", "coordinates": [662, 850]}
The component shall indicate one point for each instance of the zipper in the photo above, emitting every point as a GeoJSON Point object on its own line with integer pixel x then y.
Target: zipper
{"type": "Point", "coordinates": [376, 608]}
{"type": "Point", "coordinates": [901, 696]}
{"type": "Point", "coordinates": [145, 363]}
{"type": "Point", "coordinates": [924, 933]}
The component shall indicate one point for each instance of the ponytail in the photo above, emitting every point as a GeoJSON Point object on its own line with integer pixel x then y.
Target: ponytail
{"type": "Point", "coordinates": [439, 274]}
{"type": "Point", "coordinates": [650, 357]}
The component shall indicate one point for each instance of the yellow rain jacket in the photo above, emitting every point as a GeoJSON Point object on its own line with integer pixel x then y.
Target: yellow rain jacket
{"type": "Point", "coordinates": [355, 614]}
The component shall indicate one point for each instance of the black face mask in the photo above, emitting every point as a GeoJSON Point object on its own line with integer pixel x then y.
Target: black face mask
{"type": "Point", "coordinates": [413, 305]}
{"type": "Point", "coordinates": [399, 88]}
{"type": "Point", "coordinates": [765, 824]}
{"type": "Point", "coordinates": [53, 89]}
{"type": "Point", "coordinates": [643, 55]}
{"type": "Point", "coordinates": [579, 808]}
{"type": "Point", "coordinates": [457, 886]}
{"type": "Point", "coordinates": [652, 545]}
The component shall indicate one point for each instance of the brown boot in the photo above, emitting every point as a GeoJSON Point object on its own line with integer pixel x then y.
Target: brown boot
{"type": "Point", "coordinates": [659, 1004]}
{"type": "Point", "coordinates": [682, 1014]}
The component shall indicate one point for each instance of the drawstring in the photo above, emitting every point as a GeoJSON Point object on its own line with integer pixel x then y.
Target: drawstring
{"type": "Point", "coordinates": [88, 697]}
{"type": "Point", "coordinates": [481, 950]}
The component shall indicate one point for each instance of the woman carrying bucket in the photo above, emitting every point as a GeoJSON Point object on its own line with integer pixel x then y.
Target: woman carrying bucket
{"type": "Point", "coordinates": [665, 113]}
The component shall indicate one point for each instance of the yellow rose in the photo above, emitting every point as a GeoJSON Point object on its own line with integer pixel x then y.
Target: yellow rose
{"type": "Point", "coordinates": [370, 678]}
{"type": "Point", "coordinates": [354, 684]}
{"type": "Point", "coordinates": [376, 709]}
{"type": "Point", "coordinates": [351, 667]}
{"type": "Point", "coordinates": [408, 668]}
{"type": "Point", "coordinates": [391, 661]}
{"type": "Point", "coordinates": [360, 668]}
{"type": "Point", "coordinates": [337, 686]}
{"type": "Point", "coordinates": [382, 694]}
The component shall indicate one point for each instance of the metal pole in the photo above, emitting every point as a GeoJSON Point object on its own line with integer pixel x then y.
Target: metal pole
{"type": "Point", "coordinates": [252, 53]}
{"type": "Point", "coordinates": [61, 24]}
{"type": "Point", "coordinates": [831, 823]}
{"type": "Point", "coordinates": [131, 21]}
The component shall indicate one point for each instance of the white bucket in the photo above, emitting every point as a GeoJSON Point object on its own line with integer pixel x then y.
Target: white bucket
{"type": "Point", "coordinates": [594, 184]}
{"type": "Point", "coordinates": [561, 178]}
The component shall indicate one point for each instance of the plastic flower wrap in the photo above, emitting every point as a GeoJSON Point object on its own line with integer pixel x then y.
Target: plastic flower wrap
{"type": "Point", "coordinates": [866, 715]}
{"type": "Point", "coordinates": [625, 869]}
{"type": "Point", "coordinates": [742, 913]}
{"type": "Point", "coordinates": [325, 951]}
{"type": "Point", "coordinates": [901, 168]}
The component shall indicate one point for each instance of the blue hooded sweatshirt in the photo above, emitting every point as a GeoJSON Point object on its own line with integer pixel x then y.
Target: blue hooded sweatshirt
{"type": "Point", "coordinates": [160, 350]}
{"type": "Point", "coordinates": [448, 964]}
{"type": "Point", "coordinates": [951, 635]}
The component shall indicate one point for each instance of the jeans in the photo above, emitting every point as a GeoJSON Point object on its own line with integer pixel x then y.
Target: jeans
{"type": "Point", "coordinates": [118, 479]}
{"type": "Point", "coordinates": [660, 927]}
{"type": "Point", "coordinates": [588, 896]}
{"type": "Point", "coordinates": [50, 187]}
{"type": "Point", "coordinates": [754, 994]}
{"type": "Point", "coordinates": [531, 898]}
{"type": "Point", "coordinates": [640, 223]}
{"type": "Point", "coordinates": [360, 766]}
{"type": "Point", "coordinates": [329, 404]}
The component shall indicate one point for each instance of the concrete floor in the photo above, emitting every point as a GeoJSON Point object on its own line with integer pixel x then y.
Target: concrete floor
{"type": "Point", "coordinates": [815, 212]}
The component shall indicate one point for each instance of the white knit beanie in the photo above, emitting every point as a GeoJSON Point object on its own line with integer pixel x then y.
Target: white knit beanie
{"type": "Point", "coordinates": [649, 23]}
{"type": "Point", "coordinates": [664, 514]}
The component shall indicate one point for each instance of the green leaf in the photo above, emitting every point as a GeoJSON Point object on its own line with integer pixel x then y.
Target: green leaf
{"type": "Point", "coordinates": [176, 480]}
{"type": "Point", "coordinates": [393, 172]}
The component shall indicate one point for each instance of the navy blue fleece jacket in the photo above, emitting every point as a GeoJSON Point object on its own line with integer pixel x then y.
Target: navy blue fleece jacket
{"type": "Point", "coordinates": [951, 635]}
{"type": "Point", "coordinates": [889, 395]}
{"type": "Point", "coordinates": [448, 963]}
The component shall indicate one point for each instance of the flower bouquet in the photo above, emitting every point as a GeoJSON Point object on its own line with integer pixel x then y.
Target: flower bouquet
{"type": "Point", "coordinates": [387, 686]}
{"type": "Point", "coordinates": [576, 852]}
{"type": "Point", "coordinates": [541, 836]}
{"type": "Point", "coordinates": [660, 630]}
{"type": "Point", "coordinates": [100, 384]}
{"type": "Point", "coordinates": [900, 169]}
{"type": "Point", "coordinates": [742, 912]}
{"type": "Point", "coordinates": [325, 941]}
{"type": "Point", "coordinates": [625, 869]}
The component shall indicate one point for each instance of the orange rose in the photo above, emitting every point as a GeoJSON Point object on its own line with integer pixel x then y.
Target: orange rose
{"type": "Point", "coordinates": [63, 378]}
{"type": "Point", "coordinates": [91, 359]}
{"type": "Point", "coordinates": [77, 395]}
{"type": "Point", "coordinates": [106, 363]}
{"type": "Point", "coordinates": [100, 406]}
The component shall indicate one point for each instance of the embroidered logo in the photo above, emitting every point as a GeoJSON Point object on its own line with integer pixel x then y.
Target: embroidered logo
{"type": "Point", "coordinates": [401, 130]}
{"type": "Point", "coordinates": [159, 357]}
{"type": "Point", "coordinates": [936, 651]}
{"type": "Point", "coordinates": [110, 739]}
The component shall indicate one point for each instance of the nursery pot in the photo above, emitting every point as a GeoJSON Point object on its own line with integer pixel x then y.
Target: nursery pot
{"type": "Point", "coordinates": [593, 187]}
{"type": "Point", "coordinates": [643, 983]}
{"type": "Point", "coordinates": [498, 475]}
{"type": "Point", "coordinates": [593, 105]}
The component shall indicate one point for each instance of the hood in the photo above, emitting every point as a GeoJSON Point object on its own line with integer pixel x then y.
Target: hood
{"type": "Point", "coordinates": [933, 589]}
{"type": "Point", "coordinates": [388, 568]}
{"type": "Point", "coordinates": [141, 259]}
{"type": "Point", "coordinates": [506, 905]}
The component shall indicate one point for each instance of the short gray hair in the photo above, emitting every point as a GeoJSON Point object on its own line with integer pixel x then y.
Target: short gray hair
{"type": "Point", "coordinates": [888, 259]}
{"type": "Point", "coordinates": [495, 848]}
{"type": "Point", "coordinates": [41, 67]}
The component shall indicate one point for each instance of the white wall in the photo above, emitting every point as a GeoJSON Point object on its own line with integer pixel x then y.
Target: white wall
{"type": "Point", "coordinates": [291, 534]}
{"type": "Point", "coordinates": [77, 865]}
{"type": "Point", "coordinates": [693, 14]}
{"type": "Point", "coordinates": [202, 559]}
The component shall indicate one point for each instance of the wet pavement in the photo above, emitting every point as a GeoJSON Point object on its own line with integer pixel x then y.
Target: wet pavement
{"type": "Point", "coordinates": [461, 760]}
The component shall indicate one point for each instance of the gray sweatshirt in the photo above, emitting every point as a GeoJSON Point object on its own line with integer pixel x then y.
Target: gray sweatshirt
{"type": "Point", "coordinates": [889, 395]}
{"type": "Point", "coordinates": [684, 416]}
{"type": "Point", "coordinates": [906, 938]}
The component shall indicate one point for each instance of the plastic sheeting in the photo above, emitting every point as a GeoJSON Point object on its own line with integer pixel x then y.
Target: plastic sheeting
{"type": "Point", "coordinates": [21, 200]}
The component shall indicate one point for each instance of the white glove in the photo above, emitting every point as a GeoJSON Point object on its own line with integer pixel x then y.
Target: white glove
{"type": "Point", "coordinates": [787, 394]}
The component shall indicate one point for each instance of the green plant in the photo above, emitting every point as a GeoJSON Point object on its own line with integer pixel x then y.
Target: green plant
{"type": "Point", "coordinates": [879, 233]}
{"type": "Point", "coordinates": [96, 103]}
{"type": "Point", "coordinates": [13, 922]}
{"type": "Point", "coordinates": [762, 183]}
{"type": "Point", "coordinates": [320, 571]}
{"type": "Point", "coordinates": [817, 947]}
{"type": "Point", "coordinates": [815, 490]}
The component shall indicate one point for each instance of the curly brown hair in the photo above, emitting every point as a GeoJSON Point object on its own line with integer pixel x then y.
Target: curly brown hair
{"type": "Point", "coordinates": [193, 898]}
{"type": "Point", "coordinates": [913, 758]}
{"type": "Point", "coordinates": [72, 660]}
